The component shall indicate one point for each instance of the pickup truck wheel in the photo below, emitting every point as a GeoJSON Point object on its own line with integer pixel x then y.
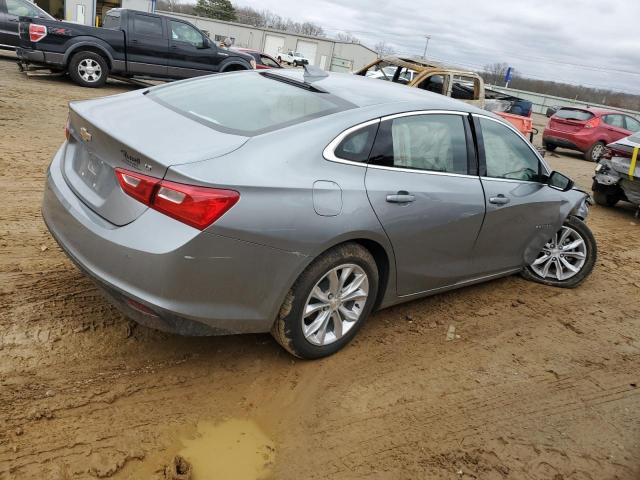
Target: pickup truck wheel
{"type": "Point", "coordinates": [88, 69]}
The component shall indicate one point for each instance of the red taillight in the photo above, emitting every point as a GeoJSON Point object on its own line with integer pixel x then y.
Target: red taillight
{"type": "Point", "coordinates": [193, 205]}
{"type": "Point", "coordinates": [37, 32]}
{"type": "Point", "coordinates": [593, 123]}
{"type": "Point", "coordinates": [137, 185]}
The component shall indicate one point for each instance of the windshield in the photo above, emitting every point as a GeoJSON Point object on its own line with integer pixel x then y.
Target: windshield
{"type": "Point", "coordinates": [574, 114]}
{"type": "Point", "coordinates": [246, 103]}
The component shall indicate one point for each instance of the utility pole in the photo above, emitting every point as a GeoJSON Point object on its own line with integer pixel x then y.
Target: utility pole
{"type": "Point", "coordinates": [424, 55]}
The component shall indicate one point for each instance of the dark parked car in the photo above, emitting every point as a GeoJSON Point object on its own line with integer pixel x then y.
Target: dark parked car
{"type": "Point", "coordinates": [551, 111]}
{"type": "Point", "coordinates": [131, 44]}
{"type": "Point", "coordinates": [10, 11]}
{"type": "Point", "coordinates": [587, 130]}
{"type": "Point", "coordinates": [263, 61]}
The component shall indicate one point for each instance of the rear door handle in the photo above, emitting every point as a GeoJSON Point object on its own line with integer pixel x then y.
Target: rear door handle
{"type": "Point", "coordinates": [499, 200]}
{"type": "Point", "coordinates": [401, 197]}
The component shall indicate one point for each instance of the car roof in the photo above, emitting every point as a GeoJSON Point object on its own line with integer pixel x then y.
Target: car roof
{"type": "Point", "coordinates": [363, 92]}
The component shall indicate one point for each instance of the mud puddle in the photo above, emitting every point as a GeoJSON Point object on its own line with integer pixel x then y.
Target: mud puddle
{"type": "Point", "coordinates": [235, 448]}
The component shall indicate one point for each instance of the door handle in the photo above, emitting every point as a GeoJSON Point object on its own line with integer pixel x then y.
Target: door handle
{"type": "Point", "coordinates": [401, 197]}
{"type": "Point", "coordinates": [499, 200]}
{"type": "Point", "coordinates": [13, 20]}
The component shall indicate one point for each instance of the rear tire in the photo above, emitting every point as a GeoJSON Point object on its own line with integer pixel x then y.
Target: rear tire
{"type": "Point", "coordinates": [595, 152]}
{"type": "Point", "coordinates": [88, 69]}
{"type": "Point", "coordinates": [605, 200]}
{"type": "Point", "coordinates": [338, 291]}
{"type": "Point", "coordinates": [558, 256]}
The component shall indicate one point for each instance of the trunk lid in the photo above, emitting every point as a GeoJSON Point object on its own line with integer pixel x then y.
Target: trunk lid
{"type": "Point", "coordinates": [135, 133]}
{"type": "Point", "coordinates": [570, 120]}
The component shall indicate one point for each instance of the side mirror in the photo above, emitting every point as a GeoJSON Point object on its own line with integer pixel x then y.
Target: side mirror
{"type": "Point", "coordinates": [560, 182]}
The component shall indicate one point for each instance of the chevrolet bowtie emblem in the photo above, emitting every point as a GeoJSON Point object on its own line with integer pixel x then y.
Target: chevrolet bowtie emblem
{"type": "Point", "coordinates": [84, 133]}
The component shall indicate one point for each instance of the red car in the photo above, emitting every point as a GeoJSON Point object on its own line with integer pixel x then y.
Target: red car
{"type": "Point", "coordinates": [262, 59]}
{"type": "Point", "coordinates": [587, 130]}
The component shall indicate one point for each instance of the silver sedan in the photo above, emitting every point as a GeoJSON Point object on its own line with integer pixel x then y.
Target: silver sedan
{"type": "Point", "coordinates": [298, 203]}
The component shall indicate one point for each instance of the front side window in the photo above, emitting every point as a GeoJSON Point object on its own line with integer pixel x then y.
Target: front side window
{"type": "Point", "coordinates": [423, 142]}
{"type": "Point", "coordinates": [181, 32]}
{"type": "Point", "coordinates": [269, 62]}
{"type": "Point", "coordinates": [147, 26]}
{"type": "Point", "coordinates": [507, 154]}
{"type": "Point", "coordinates": [20, 8]}
{"type": "Point", "coordinates": [632, 124]}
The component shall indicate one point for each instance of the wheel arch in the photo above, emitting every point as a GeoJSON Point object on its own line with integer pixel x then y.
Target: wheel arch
{"type": "Point", "coordinates": [382, 254]}
{"type": "Point", "coordinates": [88, 46]}
{"type": "Point", "coordinates": [234, 65]}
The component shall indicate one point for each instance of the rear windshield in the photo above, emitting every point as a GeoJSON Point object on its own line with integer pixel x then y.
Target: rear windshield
{"type": "Point", "coordinates": [635, 137]}
{"type": "Point", "coordinates": [574, 114]}
{"type": "Point", "coordinates": [247, 103]}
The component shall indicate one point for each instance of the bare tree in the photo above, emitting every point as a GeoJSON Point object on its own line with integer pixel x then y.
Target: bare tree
{"type": "Point", "coordinates": [494, 73]}
{"type": "Point", "coordinates": [347, 37]}
{"type": "Point", "coordinates": [383, 49]}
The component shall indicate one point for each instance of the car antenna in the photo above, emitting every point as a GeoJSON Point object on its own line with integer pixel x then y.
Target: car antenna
{"type": "Point", "coordinates": [313, 73]}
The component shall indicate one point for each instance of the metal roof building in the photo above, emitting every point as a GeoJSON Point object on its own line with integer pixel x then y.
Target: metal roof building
{"type": "Point", "coordinates": [326, 53]}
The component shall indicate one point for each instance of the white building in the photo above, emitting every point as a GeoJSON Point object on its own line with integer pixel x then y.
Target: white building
{"type": "Point", "coordinates": [326, 53]}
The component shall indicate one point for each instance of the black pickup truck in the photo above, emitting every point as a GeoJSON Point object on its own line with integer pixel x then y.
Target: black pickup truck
{"type": "Point", "coordinates": [130, 44]}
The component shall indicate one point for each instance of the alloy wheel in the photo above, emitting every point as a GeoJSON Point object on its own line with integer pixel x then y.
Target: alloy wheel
{"type": "Point", "coordinates": [597, 152]}
{"type": "Point", "coordinates": [335, 304]}
{"type": "Point", "coordinates": [562, 257]}
{"type": "Point", "coordinates": [89, 70]}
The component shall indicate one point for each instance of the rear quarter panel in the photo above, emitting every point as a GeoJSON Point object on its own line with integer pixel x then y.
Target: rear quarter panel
{"type": "Point", "coordinates": [66, 38]}
{"type": "Point", "coordinates": [275, 175]}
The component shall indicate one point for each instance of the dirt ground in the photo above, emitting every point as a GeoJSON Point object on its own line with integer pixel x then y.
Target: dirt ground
{"type": "Point", "coordinates": [542, 383]}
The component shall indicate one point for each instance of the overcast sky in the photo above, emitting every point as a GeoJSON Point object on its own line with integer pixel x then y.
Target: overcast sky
{"type": "Point", "coordinates": [590, 42]}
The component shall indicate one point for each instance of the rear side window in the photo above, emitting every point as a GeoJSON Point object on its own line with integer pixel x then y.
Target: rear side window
{"type": "Point", "coordinates": [422, 142]}
{"type": "Point", "coordinates": [465, 88]}
{"type": "Point", "coordinates": [574, 114]}
{"type": "Point", "coordinates": [614, 120]}
{"type": "Point", "coordinates": [148, 26]}
{"type": "Point", "coordinates": [632, 124]}
{"type": "Point", "coordinates": [357, 145]}
{"type": "Point", "coordinates": [246, 103]}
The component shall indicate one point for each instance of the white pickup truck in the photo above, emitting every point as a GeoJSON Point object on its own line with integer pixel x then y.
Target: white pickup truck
{"type": "Point", "coordinates": [293, 58]}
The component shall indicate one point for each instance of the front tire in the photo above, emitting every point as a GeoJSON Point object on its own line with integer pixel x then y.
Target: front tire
{"type": "Point", "coordinates": [567, 259]}
{"type": "Point", "coordinates": [329, 302]}
{"type": "Point", "coordinates": [595, 152]}
{"type": "Point", "coordinates": [550, 147]}
{"type": "Point", "coordinates": [88, 69]}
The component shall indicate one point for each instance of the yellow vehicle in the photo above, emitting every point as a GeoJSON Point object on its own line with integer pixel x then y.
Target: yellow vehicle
{"type": "Point", "coordinates": [460, 84]}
